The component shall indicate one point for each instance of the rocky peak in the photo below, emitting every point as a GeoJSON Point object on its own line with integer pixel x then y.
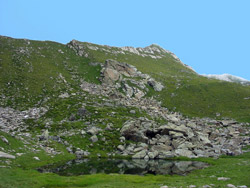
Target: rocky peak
{"type": "Point", "coordinates": [78, 47]}
{"type": "Point", "coordinates": [154, 51]}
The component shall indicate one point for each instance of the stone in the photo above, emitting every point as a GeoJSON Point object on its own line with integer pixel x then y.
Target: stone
{"type": "Point", "coordinates": [36, 158]}
{"type": "Point", "coordinates": [93, 138]}
{"type": "Point", "coordinates": [138, 93]}
{"type": "Point", "coordinates": [45, 135]}
{"type": "Point", "coordinates": [93, 131]}
{"type": "Point", "coordinates": [165, 154]}
{"type": "Point", "coordinates": [174, 134]}
{"type": "Point", "coordinates": [223, 178]}
{"type": "Point", "coordinates": [157, 86]}
{"type": "Point", "coordinates": [146, 158]}
{"type": "Point", "coordinates": [199, 153]}
{"type": "Point", "coordinates": [186, 145]}
{"type": "Point", "coordinates": [4, 140]}
{"type": "Point", "coordinates": [165, 186]}
{"type": "Point", "coordinates": [140, 155]}
{"type": "Point", "coordinates": [120, 147]}
{"type": "Point", "coordinates": [184, 153]}
{"type": "Point", "coordinates": [165, 129]}
{"type": "Point", "coordinates": [128, 90]}
{"type": "Point", "coordinates": [164, 139]}
{"type": "Point", "coordinates": [172, 118]}
{"type": "Point", "coordinates": [109, 127]}
{"type": "Point", "coordinates": [64, 95]}
{"type": "Point", "coordinates": [132, 112]}
{"type": "Point", "coordinates": [203, 138]}
{"type": "Point", "coordinates": [83, 132]}
{"type": "Point", "coordinates": [206, 186]}
{"type": "Point", "coordinates": [72, 117]}
{"type": "Point", "coordinates": [6, 155]}
{"type": "Point", "coordinates": [231, 185]}
{"type": "Point", "coordinates": [122, 139]}
{"type": "Point", "coordinates": [131, 132]}
{"type": "Point", "coordinates": [161, 148]}
{"type": "Point", "coordinates": [177, 142]}
{"type": "Point", "coordinates": [138, 149]}
{"type": "Point", "coordinates": [153, 154]}
{"type": "Point", "coordinates": [113, 71]}
{"type": "Point", "coordinates": [110, 75]}
{"type": "Point", "coordinates": [79, 153]}
{"type": "Point", "coordinates": [192, 125]}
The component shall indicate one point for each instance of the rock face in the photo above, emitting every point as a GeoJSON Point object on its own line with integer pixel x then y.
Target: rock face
{"type": "Point", "coordinates": [114, 71]}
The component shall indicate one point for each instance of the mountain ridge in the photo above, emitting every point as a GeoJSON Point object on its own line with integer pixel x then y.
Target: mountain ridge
{"type": "Point", "coordinates": [183, 87]}
{"type": "Point", "coordinates": [61, 102]}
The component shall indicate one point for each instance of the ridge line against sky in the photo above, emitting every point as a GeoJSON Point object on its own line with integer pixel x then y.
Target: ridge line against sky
{"type": "Point", "coordinates": [210, 36]}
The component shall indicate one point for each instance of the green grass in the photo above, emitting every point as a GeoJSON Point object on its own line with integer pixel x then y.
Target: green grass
{"type": "Point", "coordinates": [235, 168]}
{"type": "Point", "coordinates": [22, 173]}
{"type": "Point", "coordinates": [195, 96]}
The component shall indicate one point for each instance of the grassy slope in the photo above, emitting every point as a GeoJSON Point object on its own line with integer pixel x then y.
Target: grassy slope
{"type": "Point", "coordinates": [27, 79]}
{"type": "Point", "coordinates": [194, 95]}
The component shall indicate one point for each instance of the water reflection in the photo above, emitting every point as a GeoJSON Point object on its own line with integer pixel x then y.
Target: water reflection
{"type": "Point", "coordinates": [120, 166]}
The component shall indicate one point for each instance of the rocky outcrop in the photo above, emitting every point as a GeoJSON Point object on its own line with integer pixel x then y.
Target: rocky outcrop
{"type": "Point", "coordinates": [13, 120]}
{"type": "Point", "coordinates": [114, 71]}
{"type": "Point", "coordinates": [78, 47]}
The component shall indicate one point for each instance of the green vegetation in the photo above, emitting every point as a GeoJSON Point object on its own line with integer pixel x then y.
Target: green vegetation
{"type": "Point", "coordinates": [32, 71]}
{"type": "Point", "coordinates": [187, 92]}
{"type": "Point", "coordinates": [36, 73]}
{"type": "Point", "coordinates": [23, 174]}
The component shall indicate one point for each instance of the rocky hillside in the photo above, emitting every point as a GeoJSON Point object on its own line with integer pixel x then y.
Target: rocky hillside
{"type": "Point", "coordinates": [93, 100]}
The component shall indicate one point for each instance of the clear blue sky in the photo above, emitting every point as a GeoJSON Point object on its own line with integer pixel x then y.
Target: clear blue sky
{"type": "Point", "coordinates": [212, 36]}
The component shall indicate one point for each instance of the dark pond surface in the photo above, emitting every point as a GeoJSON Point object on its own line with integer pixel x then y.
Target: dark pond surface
{"type": "Point", "coordinates": [121, 166]}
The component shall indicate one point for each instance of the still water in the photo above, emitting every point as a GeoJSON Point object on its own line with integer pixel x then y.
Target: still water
{"type": "Point", "coordinates": [122, 166]}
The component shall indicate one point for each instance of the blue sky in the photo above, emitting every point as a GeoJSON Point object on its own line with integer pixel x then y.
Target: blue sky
{"type": "Point", "coordinates": [212, 36]}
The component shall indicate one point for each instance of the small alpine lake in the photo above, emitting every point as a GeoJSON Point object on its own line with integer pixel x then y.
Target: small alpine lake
{"type": "Point", "coordinates": [123, 166]}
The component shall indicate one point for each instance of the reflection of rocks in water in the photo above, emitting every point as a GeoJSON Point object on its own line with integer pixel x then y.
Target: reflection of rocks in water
{"type": "Point", "coordinates": [136, 166]}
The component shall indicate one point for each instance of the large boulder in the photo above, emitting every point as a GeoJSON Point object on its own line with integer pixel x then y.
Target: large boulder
{"type": "Point", "coordinates": [114, 70]}
{"type": "Point", "coordinates": [93, 131]}
{"type": "Point", "coordinates": [157, 86]}
{"type": "Point", "coordinates": [140, 155]}
{"type": "Point", "coordinates": [131, 131]}
{"type": "Point", "coordinates": [184, 153]}
{"type": "Point", "coordinates": [110, 75]}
